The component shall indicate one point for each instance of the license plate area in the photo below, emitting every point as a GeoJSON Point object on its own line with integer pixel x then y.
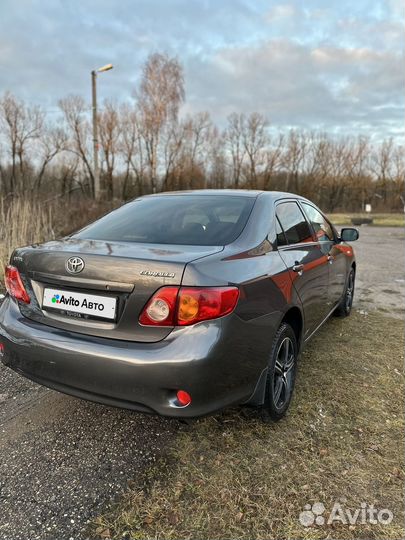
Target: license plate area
{"type": "Point", "coordinates": [79, 305]}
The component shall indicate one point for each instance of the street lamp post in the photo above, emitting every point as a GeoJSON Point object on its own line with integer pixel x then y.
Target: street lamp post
{"type": "Point", "coordinates": [96, 168]}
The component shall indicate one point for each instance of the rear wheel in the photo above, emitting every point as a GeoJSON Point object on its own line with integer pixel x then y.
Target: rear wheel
{"type": "Point", "coordinates": [281, 374]}
{"type": "Point", "coordinates": [345, 306]}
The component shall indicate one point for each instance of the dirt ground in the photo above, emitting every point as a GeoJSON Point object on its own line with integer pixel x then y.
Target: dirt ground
{"type": "Point", "coordinates": [380, 280]}
{"type": "Point", "coordinates": [62, 459]}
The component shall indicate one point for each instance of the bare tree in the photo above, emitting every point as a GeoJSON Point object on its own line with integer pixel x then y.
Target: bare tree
{"type": "Point", "coordinates": [9, 116]}
{"type": "Point", "coordinates": [381, 162]}
{"type": "Point", "coordinates": [196, 134]}
{"type": "Point", "coordinates": [159, 97]}
{"type": "Point", "coordinates": [52, 142]}
{"type": "Point", "coordinates": [172, 142]}
{"type": "Point", "coordinates": [67, 173]}
{"type": "Point", "coordinates": [255, 140]}
{"type": "Point", "coordinates": [109, 132]}
{"type": "Point", "coordinates": [331, 160]}
{"type": "Point", "coordinates": [398, 174]}
{"type": "Point", "coordinates": [131, 148]}
{"type": "Point", "coordinates": [357, 168]}
{"type": "Point", "coordinates": [74, 109]}
{"type": "Point", "coordinates": [20, 125]}
{"type": "Point", "coordinates": [234, 142]}
{"type": "Point", "coordinates": [217, 175]}
{"type": "Point", "coordinates": [4, 187]}
{"type": "Point", "coordinates": [293, 158]}
{"type": "Point", "coordinates": [273, 160]}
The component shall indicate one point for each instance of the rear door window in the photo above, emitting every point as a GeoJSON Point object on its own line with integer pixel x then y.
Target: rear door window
{"type": "Point", "coordinates": [295, 226]}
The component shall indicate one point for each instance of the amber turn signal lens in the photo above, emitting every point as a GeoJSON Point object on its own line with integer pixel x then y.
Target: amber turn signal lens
{"type": "Point", "coordinates": [188, 307]}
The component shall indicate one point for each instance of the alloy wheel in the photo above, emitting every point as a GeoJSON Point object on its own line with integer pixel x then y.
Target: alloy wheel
{"type": "Point", "coordinates": [283, 372]}
{"type": "Point", "coordinates": [349, 292]}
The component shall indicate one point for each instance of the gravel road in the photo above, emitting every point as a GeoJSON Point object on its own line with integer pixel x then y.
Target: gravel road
{"type": "Point", "coordinates": [63, 459]}
{"type": "Point", "coordinates": [380, 280]}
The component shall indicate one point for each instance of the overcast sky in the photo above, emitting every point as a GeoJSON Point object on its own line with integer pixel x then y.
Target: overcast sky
{"type": "Point", "coordinates": [335, 65]}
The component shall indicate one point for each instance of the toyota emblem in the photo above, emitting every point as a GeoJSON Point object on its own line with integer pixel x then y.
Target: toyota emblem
{"type": "Point", "coordinates": [74, 265]}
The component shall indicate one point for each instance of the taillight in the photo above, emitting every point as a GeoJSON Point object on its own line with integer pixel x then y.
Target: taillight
{"type": "Point", "coordinates": [161, 308]}
{"type": "Point", "coordinates": [200, 304]}
{"type": "Point", "coordinates": [14, 284]}
{"type": "Point", "coordinates": [172, 306]}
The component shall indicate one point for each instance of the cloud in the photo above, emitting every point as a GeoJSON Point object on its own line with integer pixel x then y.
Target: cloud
{"type": "Point", "coordinates": [330, 88]}
{"type": "Point", "coordinates": [334, 66]}
{"type": "Point", "coordinates": [281, 11]}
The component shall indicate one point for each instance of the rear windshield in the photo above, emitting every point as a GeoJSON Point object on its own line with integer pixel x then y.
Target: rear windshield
{"type": "Point", "coordinates": [204, 220]}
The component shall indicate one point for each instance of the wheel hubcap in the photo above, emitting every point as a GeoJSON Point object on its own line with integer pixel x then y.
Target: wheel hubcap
{"type": "Point", "coordinates": [283, 372]}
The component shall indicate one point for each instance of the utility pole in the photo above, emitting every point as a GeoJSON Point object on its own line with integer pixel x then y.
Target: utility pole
{"type": "Point", "coordinates": [96, 168]}
{"type": "Point", "coordinates": [96, 171]}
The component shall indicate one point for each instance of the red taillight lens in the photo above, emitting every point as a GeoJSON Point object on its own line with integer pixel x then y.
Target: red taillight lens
{"type": "Point", "coordinates": [14, 284]}
{"type": "Point", "coordinates": [171, 306]}
{"type": "Point", "coordinates": [200, 304]}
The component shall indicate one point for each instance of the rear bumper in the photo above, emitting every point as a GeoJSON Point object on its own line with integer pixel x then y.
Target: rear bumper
{"type": "Point", "coordinates": [211, 360]}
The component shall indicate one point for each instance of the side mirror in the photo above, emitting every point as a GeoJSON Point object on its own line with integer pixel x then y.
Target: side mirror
{"type": "Point", "coordinates": [349, 234]}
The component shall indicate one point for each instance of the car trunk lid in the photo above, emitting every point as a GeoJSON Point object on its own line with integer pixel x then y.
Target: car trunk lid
{"type": "Point", "coordinates": [123, 274]}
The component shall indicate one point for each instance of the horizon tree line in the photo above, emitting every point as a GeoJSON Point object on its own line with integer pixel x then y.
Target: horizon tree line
{"type": "Point", "coordinates": [146, 146]}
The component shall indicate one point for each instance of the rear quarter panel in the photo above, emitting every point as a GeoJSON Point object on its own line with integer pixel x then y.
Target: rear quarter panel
{"type": "Point", "coordinates": [266, 289]}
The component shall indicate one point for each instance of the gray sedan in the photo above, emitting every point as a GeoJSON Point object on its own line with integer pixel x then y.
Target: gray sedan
{"type": "Point", "coordinates": [180, 303]}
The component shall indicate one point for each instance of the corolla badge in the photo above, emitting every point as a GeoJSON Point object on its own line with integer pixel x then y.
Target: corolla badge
{"type": "Point", "coordinates": [74, 265]}
{"type": "Point", "coordinates": [157, 274]}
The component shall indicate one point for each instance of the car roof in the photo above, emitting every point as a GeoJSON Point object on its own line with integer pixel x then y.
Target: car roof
{"type": "Point", "coordinates": [233, 192]}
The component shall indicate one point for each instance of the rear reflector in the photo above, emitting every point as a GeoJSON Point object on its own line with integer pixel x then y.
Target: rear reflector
{"type": "Point", "coordinates": [14, 284]}
{"type": "Point", "coordinates": [1, 350]}
{"type": "Point", "coordinates": [172, 306]}
{"type": "Point", "coordinates": [183, 398]}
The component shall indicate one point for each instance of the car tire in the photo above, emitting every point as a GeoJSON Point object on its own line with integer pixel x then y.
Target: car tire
{"type": "Point", "coordinates": [344, 308]}
{"type": "Point", "coordinates": [280, 375]}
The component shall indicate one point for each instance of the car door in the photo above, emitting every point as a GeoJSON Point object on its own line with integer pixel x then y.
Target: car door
{"type": "Point", "coordinates": [329, 245]}
{"type": "Point", "coordinates": [307, 265]}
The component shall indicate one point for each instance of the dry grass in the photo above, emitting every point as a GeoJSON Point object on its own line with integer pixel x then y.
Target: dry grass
{"type": "Point", "coordinates": [380, 220]}
{"type": "Point", "coordinates": [22, 222]}
{"type": "Point", "coordinates": [230, 476]}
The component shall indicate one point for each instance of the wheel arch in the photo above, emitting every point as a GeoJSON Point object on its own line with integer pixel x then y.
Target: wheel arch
{"type": "Point", "coordinates": [294, 317]}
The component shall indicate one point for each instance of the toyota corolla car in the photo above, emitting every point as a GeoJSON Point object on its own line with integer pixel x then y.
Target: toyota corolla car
{"type": "Point", "coordinates": [179, 303]}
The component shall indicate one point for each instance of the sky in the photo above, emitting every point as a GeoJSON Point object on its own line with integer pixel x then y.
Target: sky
{"type": "Point", "coordinates": [330, 65]}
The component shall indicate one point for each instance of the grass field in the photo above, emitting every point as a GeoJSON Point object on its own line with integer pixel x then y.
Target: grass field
{"type": "Point", "coordinates": [380, 220]}
{"type": "Point", "coordinates": [21, 223]}
{"type": "Point", "coordinates": [230, 476]}
{"type": "Point", "coordinates": [25, 221]}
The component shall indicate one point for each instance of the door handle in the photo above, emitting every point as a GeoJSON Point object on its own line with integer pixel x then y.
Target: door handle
{"type": "Point", "coordinates": [299, 268]}
{"type": "Point", "coordinates": [330, 258]}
